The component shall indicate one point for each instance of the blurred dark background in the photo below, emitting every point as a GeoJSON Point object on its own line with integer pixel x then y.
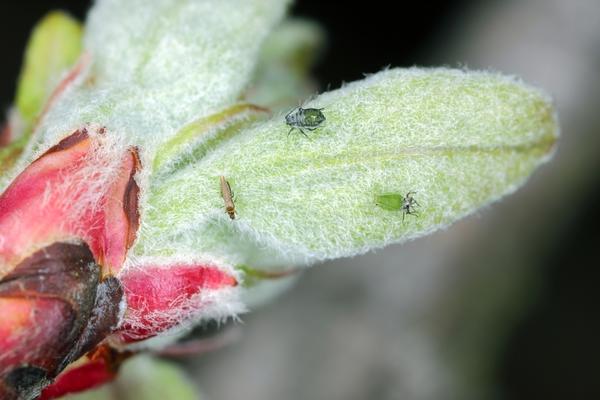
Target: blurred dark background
{"type": "Point", "coordinates": [502, 305]}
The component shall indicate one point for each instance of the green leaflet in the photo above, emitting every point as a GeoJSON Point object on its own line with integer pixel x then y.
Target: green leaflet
{"type": "Point", "coordinates": [282, 76]}
{"type": "Point", "coordinates": [196, 138]}
{"type": "Point", "coordinates": [54, 46]}
{"type": "Point", "coordinates": [459, 139]}
{"type": "Point", "coordinates": [52, 49]}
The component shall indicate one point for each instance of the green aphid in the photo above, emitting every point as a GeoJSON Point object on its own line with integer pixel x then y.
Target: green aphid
{"type": "Point", "coordinates": [304, 118]}
{"type": "Point", "coordinates": [397, 202]}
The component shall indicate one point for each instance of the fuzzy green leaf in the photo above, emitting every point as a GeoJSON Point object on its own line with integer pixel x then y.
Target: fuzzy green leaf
{"type": "Point", "coordinates": [160, 65]}
{"type": "Point", "coordinates": [458, 139]}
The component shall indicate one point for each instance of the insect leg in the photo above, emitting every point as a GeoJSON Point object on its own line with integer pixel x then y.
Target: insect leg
{"type": "Point", "coordinates": [414, 200]}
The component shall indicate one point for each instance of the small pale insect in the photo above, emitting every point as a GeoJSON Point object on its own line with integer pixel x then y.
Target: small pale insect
{"type": "Point", "coordinates": [304, 118]}
{"type": "Point", "coordinates": [227, 197]}
{"type": "Point", "coordinates": [397, 202]}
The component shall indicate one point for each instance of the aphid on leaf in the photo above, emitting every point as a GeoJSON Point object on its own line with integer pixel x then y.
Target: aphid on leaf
{"type": "Point", "coordinates": [304, 118]}
{"type": "Point", "coordinates": [397, 202]}
{"type": "Point", "coordinates": [227, 197]}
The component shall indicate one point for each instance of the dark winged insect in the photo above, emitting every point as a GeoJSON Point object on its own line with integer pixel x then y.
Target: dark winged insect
{"type": "Point", "coordinates": [397, 202]}
{"type": "Point", "coordinates": [304, 118]}
{"type": "Point", "coordinates": [227, 197]}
